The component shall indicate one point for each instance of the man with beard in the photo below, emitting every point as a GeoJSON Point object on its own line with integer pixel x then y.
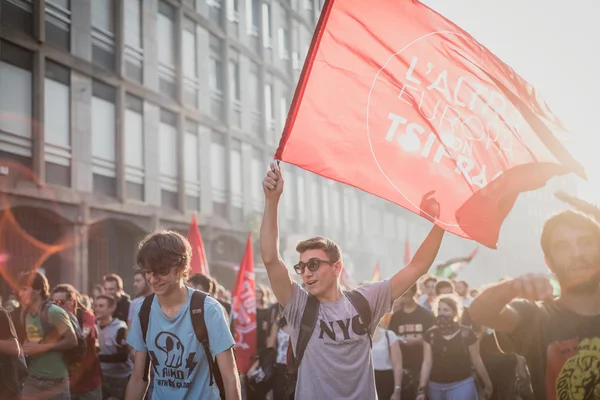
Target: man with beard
{"type": "Point", "coordinates": [559, 338]}
{"type": "Point", "coordinates": [141, 289]}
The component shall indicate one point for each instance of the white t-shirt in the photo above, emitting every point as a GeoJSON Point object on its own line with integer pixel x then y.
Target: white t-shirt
{"type": "Point", "coordinates": [381, 349]}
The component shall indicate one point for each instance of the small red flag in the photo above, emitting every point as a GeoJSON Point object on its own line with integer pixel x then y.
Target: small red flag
{"type": "Point", "coordinates": [376, 277]}
{"type": "Point", "coordinates": [244, 311]}
{"type": "Point", "coordinates": [199, 263]}
{"type": "Point", "coordinates": [398, 101]}
{"type": "Point", "coordinates": [407, 255]}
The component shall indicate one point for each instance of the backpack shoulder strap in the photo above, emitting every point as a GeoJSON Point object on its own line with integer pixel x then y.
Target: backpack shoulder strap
{"type": "Point", "coordinates": [361, 305]}
{"type": "Point", "coordinates": [307, 326]}
{"type": "Point", "coordinates": [199, 324]}
{"type": "Point", "coordinates": [145, 314]}
{"type": "Point", "coordinates": [47, 327]}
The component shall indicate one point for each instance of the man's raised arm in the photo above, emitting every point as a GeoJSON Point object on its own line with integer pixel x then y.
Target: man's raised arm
{"type": "Point", "coordinates": [269, 237]}
{"type": "Point", "coordinates": [420, 263]}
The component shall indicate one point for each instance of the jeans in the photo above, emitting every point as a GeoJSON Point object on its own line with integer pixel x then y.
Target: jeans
{"type": "Point", "coordinates": [45, 389]}
{"type": "Point", "coordinates": [462, 390]}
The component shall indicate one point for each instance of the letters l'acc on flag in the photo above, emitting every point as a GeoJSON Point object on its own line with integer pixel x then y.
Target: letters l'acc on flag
{"type": "Point", "coordinates": [396, 100]}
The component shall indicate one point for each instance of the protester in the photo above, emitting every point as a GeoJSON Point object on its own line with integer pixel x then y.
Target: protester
{"type": "Point", "coordinates": [410, 322]}
{"type": "Point", "coordinates": [387, 361]}
{"type": "Point", "coordinates": [10, 385]}
{"type": "Point", "coordinates": [114, 352]}
{"type": "Point", "coordinates": [46, 340]}
{"type": "Point", "coordinates": [336, 362]}
{"type": "Point", "coordinates": [462, 289]}
{"type": "Point", "coordinates": [113, 286]}
{"type": "Point", "coordinates": [180, 364]}
{"type": "Point", "coordinates": [559, 338]}
{"type": "Point", "coordinates": [427, 299]}
{"type": "Point", "coordinates": [141, 289]}
{"type": "Point", "coordinates": [443, 286]}
{"type": "Point", "coordinates": [86, 381]}
{"type": "Point", "coordinates": [450, 352]}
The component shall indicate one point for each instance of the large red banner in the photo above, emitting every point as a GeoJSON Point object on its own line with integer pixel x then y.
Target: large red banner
{"type": "Point", "coordinates": [396, 100]}
{"type": "Point", "coordinates": [244, 311]}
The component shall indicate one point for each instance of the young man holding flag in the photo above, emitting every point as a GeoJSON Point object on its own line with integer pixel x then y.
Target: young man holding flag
{"type": "Point", "coordinates": [164, 328]}
{"type": "Point", "coordinates": [336, 363]}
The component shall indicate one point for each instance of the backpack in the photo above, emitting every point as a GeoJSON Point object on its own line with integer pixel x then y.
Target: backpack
{"type": "Point", "coordinates": [197, 316]}
{"type": "Point", "coordinates": [307, 326]}
{"type": "Point", "coordinates": [73, 356]}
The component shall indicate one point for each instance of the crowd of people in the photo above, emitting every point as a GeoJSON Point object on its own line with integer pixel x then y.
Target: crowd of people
{"type": "Point", "coordinates": [413, 336]}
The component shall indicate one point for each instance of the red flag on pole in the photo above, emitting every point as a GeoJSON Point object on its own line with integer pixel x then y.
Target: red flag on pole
{"type": "Point", "coordinates": [407, 255]}
{"type": "Point", "coordinates": [199, 262]}
{"type": "Point", "coordinates": [376, 277]}
{"type": "Point", "coordinates": [396, 100]}
{"type": "Point", "coordinates": [244, 311]}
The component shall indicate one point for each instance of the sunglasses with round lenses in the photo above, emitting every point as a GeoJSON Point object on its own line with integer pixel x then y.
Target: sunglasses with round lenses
{"type": "Point", "coordinates": [161, 271]}
{"type": "Point", "coordinates": [313, 264]}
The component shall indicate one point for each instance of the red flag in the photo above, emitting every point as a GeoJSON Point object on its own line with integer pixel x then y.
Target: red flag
{"type": "Point", "coordinates": [396, 100]}
{"type": "Point", "coordinates": [407, 255]}
{"type": "Point", "coordinates": [376, 277]}
{"type": "Point", "coordinates": [198, 262]}
{"type": "Point", "coordinates": [244, 311]}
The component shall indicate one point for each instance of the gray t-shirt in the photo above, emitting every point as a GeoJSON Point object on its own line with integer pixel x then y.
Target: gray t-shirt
{"type": "Point", "coordinates": [337, 363]}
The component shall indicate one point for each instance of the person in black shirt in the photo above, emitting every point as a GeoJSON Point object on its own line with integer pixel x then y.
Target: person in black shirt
{"type": "Point", "coordinates": [559, 337]}
{"type": "Point", "coordinates": [450, 352]}
{"type": "Point", "coordinates": [9, 350]}
{"type": "Point", "coordinates": [410, 322]}
{"type": "Point", "coordinates": [113, 286]}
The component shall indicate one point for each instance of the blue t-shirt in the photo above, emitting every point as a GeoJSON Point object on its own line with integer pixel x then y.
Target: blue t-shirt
{"type": "Point", "coordinates": [179, 361]}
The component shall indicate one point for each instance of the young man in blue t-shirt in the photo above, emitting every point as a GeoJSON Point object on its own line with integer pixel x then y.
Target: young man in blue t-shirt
{"type": "Point", "coordinates": [179, 362]}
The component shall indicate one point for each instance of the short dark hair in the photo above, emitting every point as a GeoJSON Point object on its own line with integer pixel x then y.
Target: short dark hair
{"type": "Point", "coordinates": [207, 284]}
{"type": "Point", "coordinates": [111, 301]}
{"type": "Point", "coordinates": [72, 293]}
{"type": "Point", "coordinates": [139, 272]}
{"type": "Point", "coordinates": [442, 284]}
{"type": "Point", "coordinates": [165, 249]}
{"type": "Point", "coordinates": [333, 251]}
{"type": "Point", "coordinates": [462, 282]}
{"type": "Point", "coordinates": [114, 278]}
{"type": "Point", "coordinates": [36, 281]}
{"type": "Point", "coordinates": [570, 218]}
{"type": "Point", "coordinates": [430, 278]}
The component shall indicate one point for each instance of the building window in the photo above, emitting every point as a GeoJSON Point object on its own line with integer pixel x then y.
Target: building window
{"type": "Point", "coordinates": [315, 202]}
{"type": "Point", "coordinates": [257, 172]}
{"type": "Point", "coordinates": [103, 138]}
{"type": "Point", "coordinates": [167, 140]}
{"type": "Point", "coordinates": [215, 11]}
{"type": "Point", "coordinates": [300, 195]}
{"type": "Point", "coordinates": [16, 65]}
{"type": "Point", "coordinates": [283, 111]}
{"type": "Point", "coordinates": [269, 114]}
{"type": "Point", "coordinates": [134, 148]}
{"type": "Point", "coordinates": [216, 78]}
{"type": "Point", "coordinates": [218, 176]}
{"type": "Point", "coordinates": [191, 164]}
{"type": "Point", "coordinates": [134, 53]}
{"type": "Point", "coordinates": [235, 168]}
{"type": "Point", "coordinates": [284, 44]}
{"type": "Point", "coordinates": [57, 124]}
{"type": "Point", "coordinates": [235, 91]}
{"type": "Point", "coordinates": [191, 82]}
{"type": "Point", "coordinates": [17, 14]}
{"type": "Point", "coordinates": [103, 34]}
{"type": "Point", "coordinates": [58, 23]}
{"type": "Point", "coordinates": [253, 13]}
{"type": "Point", "coordinates": [233, 16]}
{"type": "Point", "coordinates": [290, 209]}
{"type": "Point", "coordinates": [267, 30]}
{"type": "Point", "coordinates": [254, 89]}
{"type": "Point", "coordinates": [166, 49]}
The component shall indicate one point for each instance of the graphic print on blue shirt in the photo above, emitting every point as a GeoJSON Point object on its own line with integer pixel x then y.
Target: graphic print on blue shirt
{"type": "Point", "coordinates": [178, 359]}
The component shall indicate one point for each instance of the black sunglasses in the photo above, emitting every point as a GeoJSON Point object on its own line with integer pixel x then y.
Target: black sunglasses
{"type": "Point", "coordinates": [162, 271]}
{"type": "Point", "coordinates": [313, 264]}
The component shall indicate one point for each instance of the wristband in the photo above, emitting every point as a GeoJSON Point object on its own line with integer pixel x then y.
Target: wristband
{"type": "Point", "coordinates": [398, 387]}
{"type": "Point", "coordinates": [421, 390]}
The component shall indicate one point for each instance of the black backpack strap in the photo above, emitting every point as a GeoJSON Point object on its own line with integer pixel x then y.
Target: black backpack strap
{"type": "Point", "coordinates": [307, 326]}
{"type": "Point", "coordinates": [197, 315]}
{"type": "Point", "coordinates": [361, 305]}
{"type": "Point", "coordinates": [144, 317]}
